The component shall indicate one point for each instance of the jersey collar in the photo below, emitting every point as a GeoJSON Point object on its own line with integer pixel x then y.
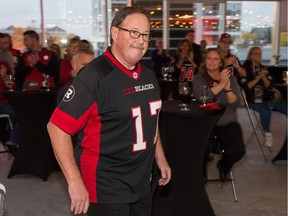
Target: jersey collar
{"type": "Point", "coordinates": [134, 74]}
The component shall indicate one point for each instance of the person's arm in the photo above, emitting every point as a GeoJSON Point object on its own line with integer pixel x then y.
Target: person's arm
{"type": "Point", "coordinates": [266, 81]}
{"type": "Point", "coordinates": [241, 72]}
{"type": "Point", "coordinates": [225, 84]}
{"type": "Point", "coordinates": [253, 82]}
{"type": "Point", "coordinates": [162, 163]}
{"type": "Point", "coordinates": [21, 70]}
{"type": "Point", "coordinates": [232, 92]}
{"type": "Point", "coordinates": [51, 69]}
{"type": "Point", "coordinates": [180, 59]}
{"type": "Point", "coordinates": [262, 76]}
{"type": "Point", "coordinates": [63, 150]}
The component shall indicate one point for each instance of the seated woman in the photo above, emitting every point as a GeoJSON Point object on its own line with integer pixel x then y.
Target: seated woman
{"type": "Point", "coordinates": [5, 107]}
{"type": "Point", "coordinates": [223, 88]}
{"type": "Point", "coordinates": [257, 86]}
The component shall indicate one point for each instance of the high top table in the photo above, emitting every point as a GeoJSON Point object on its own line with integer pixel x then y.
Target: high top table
{"type": "Point", "coordinates": [282, 154]}
{"type": "Point", "coordinates": [35, 154]}
{"type": "Point", "coordinates": [184, 136]}
{"type": "Point", "coordinates": [167, 87]}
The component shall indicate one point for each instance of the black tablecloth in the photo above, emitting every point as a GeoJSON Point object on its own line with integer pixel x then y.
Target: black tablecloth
{"type": "Point", "coordinates": [184, 136]}
{"type": "Point", "coordinates": [276, 73]}
{"type": "Point", "coordinates": [282, 154]}
{"type": "Point", "coordinates": [35, 154]}
{"type": "Point", "coordinates": [167, 87]}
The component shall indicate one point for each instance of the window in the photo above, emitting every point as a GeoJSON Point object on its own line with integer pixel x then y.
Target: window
{"type": "Point", "coordinates": [250, 22]}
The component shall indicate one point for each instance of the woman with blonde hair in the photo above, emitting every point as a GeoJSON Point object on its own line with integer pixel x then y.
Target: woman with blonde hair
{"type": "Point", "coordinates": [222, 87]}
{"type": "Point", "coordinates": [257, 86]}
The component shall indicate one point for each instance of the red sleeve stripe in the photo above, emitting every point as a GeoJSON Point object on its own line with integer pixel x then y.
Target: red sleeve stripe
{"type": "Point", "coordinates": [68, 123]}
{"type": "Point", "coordinates": [90, 144]}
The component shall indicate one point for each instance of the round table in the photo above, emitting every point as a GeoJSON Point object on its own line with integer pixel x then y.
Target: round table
{"type": "Point", "coordinates": [184, 136]}
{"type": "Point", "coordinates": [35, 154]}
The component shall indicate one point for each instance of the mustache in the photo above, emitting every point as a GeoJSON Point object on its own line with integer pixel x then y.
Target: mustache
{"type": "Point", "coordinates": [138, 46]}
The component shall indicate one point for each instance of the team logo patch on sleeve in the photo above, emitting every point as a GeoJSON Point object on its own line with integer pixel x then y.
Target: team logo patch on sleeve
{"type": "Point", "coordinates": [69, 94]}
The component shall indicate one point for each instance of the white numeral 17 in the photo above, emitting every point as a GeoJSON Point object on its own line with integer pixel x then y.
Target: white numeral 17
{"type": "Point", "coordinates": [137, 115]}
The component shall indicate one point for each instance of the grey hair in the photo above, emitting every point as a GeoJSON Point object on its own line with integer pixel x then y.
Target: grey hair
{"type": "Point", "coordinates": [122, 14]}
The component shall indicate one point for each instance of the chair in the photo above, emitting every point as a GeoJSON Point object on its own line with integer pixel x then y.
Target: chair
{"type": "Point", "coordinates": [9, 127]}
{"type": "Point", "coordinates": [8, 117]}
{"type": "Point", "coordinates": [216, 149]}
{"type": "Point", "coordinates": [256, 124]}
{"type": "Point", "coordinates": [2, 198]}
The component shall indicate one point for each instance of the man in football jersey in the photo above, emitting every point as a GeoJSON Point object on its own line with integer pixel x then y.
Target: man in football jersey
{"type": "Point", "coordinates": [36, 63]}
{"type": "Point", "coordinates": [112, 106]}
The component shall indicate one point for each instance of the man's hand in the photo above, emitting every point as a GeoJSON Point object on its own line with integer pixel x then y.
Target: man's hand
{"type": "Point", "coordinates": [79, 197]}
{"type": "Point", "coordinates": [164, 169]}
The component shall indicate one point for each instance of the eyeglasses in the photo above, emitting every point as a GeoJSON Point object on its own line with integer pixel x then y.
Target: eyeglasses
{"type": "Point", "coordinates": [136, 34]}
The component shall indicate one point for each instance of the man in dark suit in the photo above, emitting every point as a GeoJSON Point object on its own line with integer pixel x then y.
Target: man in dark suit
{"type": "Point", "coordinates": [190, 35]}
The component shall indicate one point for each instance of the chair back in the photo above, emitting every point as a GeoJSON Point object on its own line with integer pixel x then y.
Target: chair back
{"type": "Point", "coordinates": [2, 198]}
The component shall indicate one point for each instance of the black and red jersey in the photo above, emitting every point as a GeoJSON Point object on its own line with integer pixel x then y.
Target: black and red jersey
{"type": "Point", "coordinates": [186, 72]}
{"type": "Point", "coordinates": [114, 112]}
{"type": "Point", "coordinates": [30, 77]}
{"type": "Point", "coordinates": [16, 54]}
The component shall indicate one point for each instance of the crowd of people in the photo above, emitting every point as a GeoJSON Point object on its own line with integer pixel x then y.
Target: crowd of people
{"type": "Point", "coordinates": [224, 75]}
{"type": "Point", "coordinates": [104, 133]}
{"type": "Point", "coordinates": [27, 69]}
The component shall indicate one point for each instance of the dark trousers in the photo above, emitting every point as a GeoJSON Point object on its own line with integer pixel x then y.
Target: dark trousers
{"type": "Point", "coordinates": [140, 208]}
{"type": "Point", "coordinates": [230, 139]}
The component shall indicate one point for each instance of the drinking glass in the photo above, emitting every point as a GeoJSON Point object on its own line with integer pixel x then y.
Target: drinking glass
{"type": "Point", "coordinates": [46, 82]}
{"type": "Point", "coordinates": [277, 58]}
{"type": "Point", "coordinates": [184, 92]}
{"type": "Point", "coordinates": [165, 72]}
{"type": "Point", "coordinates": [285, 76]}
{"type": "Point", "coordinates": [170, 72]}
{"type": "Point", "coordinates": [204, 95]}
{"type": "Point", "coordinates": [11, 83]}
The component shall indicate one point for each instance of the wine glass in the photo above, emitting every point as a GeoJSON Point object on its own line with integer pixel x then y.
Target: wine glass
{"type": "Point", "coordinates": [170, 72]}
{"type": "Point", "coordinates": [204, 95]}
{"type": "Point", "coordinates": [277, 58]}
{"type": "Point", "coordinates": [285, 76]}
{"type": "Point", "coordinates": [10, 82]}
{"type": "Point", "coordinates": [164, 72]}
{"type": "Point", "coordinates": [184, 92]}
{"type": "Point", "coordinates": [46, 82]}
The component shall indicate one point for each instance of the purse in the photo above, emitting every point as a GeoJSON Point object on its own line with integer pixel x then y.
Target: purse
{"type": "Point", "coordinates": [276, 95]}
